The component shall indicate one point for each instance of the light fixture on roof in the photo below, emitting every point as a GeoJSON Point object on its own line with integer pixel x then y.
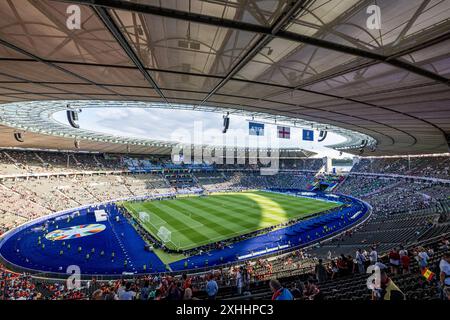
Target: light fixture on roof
{"type": "Point", "coordinates": [72, 117]}
{"type": "Point", "coordinates": [322, 135]}
{"type": "Point", "coordinates": [226, 122]}
{"type": "Point", "coordinates": [189, 43]}
{"type": "Point", "coordinates": [18, 136]}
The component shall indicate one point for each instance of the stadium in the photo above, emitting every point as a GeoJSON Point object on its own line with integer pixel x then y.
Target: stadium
{"type": "Point", "coordinates": [229, 150]}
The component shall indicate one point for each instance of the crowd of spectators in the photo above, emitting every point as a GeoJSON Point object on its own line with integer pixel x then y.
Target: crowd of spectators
{"type": "Point", "coordinates": [25, 199]}
{"type": "Point", "coordinates": [437, 167]}
{"type": "Point", "coordinates": [360, 186]}
{"type": "Point", "coordinates": [29, 162]}
{"type": "Point", "coordinates": [253, 180]}
{"type": "Point", "coordinates": [400, 215]}
{"type": "Point", "coordinates": [413, 266]}
{"type": "Point", "coordinates": [407, 196]}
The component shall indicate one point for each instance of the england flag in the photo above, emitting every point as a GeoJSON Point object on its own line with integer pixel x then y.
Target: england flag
{"type": "Point", "coordinates": [284, 132]}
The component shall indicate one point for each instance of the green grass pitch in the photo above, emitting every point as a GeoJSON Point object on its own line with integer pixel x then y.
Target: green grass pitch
{"type": "Point", "coordinates": [196, 221]}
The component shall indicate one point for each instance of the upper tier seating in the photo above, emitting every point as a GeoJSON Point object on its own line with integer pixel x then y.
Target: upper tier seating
{"type": "Point", "coordinates": [437, 167]}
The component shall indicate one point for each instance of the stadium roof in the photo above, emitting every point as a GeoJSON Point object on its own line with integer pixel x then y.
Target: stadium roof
{"type": "Point", "coordinates": [313, 60]}
{"type": "Point", "coordinates": [33, 119]}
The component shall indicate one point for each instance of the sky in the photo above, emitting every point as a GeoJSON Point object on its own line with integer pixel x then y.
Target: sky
{"type": "Point", "coordinates": [189, 126]}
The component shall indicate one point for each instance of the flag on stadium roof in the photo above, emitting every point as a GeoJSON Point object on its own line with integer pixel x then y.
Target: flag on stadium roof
{"type": "Point", "coordinates": [255, 129]}
{"type": "Point", "coordinates": [284, 132]}
{"type": "Point", "coordinates": [308, 135]}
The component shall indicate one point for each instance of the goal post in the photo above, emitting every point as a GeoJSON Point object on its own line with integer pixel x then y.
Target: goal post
{"type": "Point", "coordinates": [157, 226]}
{"type": "Point", "coordinates": [164, 234]}
{"type": "Point", "coordinates": [144, 217]}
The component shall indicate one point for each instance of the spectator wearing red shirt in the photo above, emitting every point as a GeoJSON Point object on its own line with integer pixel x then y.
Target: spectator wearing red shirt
{"type": "Point", "coordinates": [394, 260]}
{"type": "Point", "coordinates": [187, 282]}
{"type": "Point", "coordinates": [405, 263]}
{"type": "Point", "coordinates": [342, 265]}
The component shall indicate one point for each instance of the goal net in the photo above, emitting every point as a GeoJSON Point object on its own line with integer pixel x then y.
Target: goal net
{"type": "Point", "coordinates": [164, 234]}
{"type": "Point", "coordinates": [144, 217]}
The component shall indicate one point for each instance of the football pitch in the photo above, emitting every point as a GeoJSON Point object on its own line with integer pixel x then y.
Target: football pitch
{"type": "Point", "coordinates": [190, 222]}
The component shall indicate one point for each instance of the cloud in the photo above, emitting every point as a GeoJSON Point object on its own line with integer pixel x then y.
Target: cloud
{"type": "Point", "coordinates": [111, 114]}
{"type": "Point", "coordinates": [184, 126]}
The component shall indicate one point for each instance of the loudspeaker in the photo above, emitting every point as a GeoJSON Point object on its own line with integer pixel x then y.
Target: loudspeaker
{"type": "Point", "coordinates": [18, 136]}
{"type": "Point", "coordinates": [322, 136]}
{"type": "Point", "coordinates": [72, 117]}
{"type": "Point", "coordinates": [226, 123]}
{"type": "Point", "coordinates": [447, 136]}
{"type": "Point", "coordinates": [363, 143]}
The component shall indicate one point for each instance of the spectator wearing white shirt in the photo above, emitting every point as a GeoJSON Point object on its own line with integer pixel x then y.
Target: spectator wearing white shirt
{"type": "Point", "coordinates": [402, 252]}
{"type": "Point", "coordinates": [360, 261]}
{"type": "Point", "coordinates": [422, 258]}
{"type": "Point", "coordinates": [444, 275]}
{"type": "Point", "coordinates": [373, 256]}
{"type": "Point", "coordinates": [128, 293]}
{"type": "Point", "coordinates": [239, 281]}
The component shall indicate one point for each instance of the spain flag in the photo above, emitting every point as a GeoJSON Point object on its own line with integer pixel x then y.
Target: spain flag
{"type": "Point", "coordinates": [428, 274]}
